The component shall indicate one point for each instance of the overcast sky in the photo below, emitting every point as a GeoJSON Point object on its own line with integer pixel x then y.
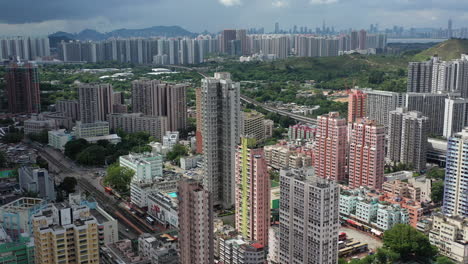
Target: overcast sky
{"type": "Point", "coordinates": [41, 17]}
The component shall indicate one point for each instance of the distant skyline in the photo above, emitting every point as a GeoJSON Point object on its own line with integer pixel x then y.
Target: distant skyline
{"type": "Point", "coordinates": [32, 17]}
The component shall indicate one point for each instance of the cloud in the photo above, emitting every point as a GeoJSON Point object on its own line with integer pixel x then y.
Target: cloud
{"type": "Point", "coordinates": [323, 2]}
{"type": "Point", "coordinates": [280, 3]}
{"type": "Point", "coordinates": [230, 2]}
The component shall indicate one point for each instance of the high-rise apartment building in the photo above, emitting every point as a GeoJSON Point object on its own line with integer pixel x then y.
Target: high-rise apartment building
{"type": "Point", "coordinates": [356, 105]}
{"type": "Point", "coordinates": [456, 180]}
{"type": "Point", "coordinates": [362, 39]}
{"type": "Point", "coordinates": [220, 132]}
{"type": "Point", "coordinates": [252, 193]}
{"type": "Point", "coordinates": [227, 36]}
{"type": "Point", "coordinates": [407, 141]}
{"type": "Point", "coordinates": [198, 132]}
{"type": "Point", "coordinates": [196, 239]}
{"type": "Point", "coordinates": [430, 105]}
{"type": "Point", "coordinates": [22, 88]}
{"type": "Point", "coordinates": [367, 154]}
{"type": "Point", "coordinates": [65, 234]}
{"type": "Point", "coordinates": [69, 108]}
{"type": "Point", "coordinates": [151, 97]}
{"type": "Point", "coordinates": [455, 116]}
{"type": "Point", "coordinates": [330, 147]}
{"type": "Point", "coordinates": [95, 101]}
{"type": "Point", "coordinates": [420, 76]}
{"type": "Point", "coordinates": [380, 103]}
{"type": "Point", "coordinates": [309, 218]}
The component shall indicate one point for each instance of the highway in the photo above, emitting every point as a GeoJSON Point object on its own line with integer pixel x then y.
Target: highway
{"type": "Point", "coordinates": [244, 98]}
{"type": "Point", "coordinates": [109, 203]}
{"type": "Point", "coordinates": [296, 117]}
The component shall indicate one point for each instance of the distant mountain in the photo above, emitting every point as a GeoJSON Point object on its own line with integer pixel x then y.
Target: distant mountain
{"type": "Point", "coordinates": [90, 34]}
{"type": "Point", "coordinates": [447, 50]}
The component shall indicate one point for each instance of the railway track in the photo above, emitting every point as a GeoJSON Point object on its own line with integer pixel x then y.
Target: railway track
{"type": "Point", "coordinates": [109, 204]}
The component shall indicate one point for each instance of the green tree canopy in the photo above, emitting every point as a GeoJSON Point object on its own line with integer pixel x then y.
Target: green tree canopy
{"type": "Point", "coordinates": [437, 191]}
{"type": "Point", "coordinates": [409, 243]}
{"type": "Point", "coordinates": [74, 147]}
{"type": "Point", "coordinates": [69, 184]}
{"type": "Point", "coordinates": [177, 151]}
{"type": "Point", "coordinates": [92, 155]}
{"type": "Point", "coordinates": [41, 137]}
{"type": "Point", "coordinates": [118, 178]}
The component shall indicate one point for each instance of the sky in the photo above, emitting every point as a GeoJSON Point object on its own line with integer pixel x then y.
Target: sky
{"type": "Point", "coordinates": [42, 17]}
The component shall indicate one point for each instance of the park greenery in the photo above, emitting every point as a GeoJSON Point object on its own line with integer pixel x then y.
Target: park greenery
{"type": "Point", "coordinates": [119, 178]}
{"type": "Point", "coordinates": [178, 151]}
{"type": "Point", "coordinates": [403, 244]}
{"type": "Point", "coordinates": [103, 152]}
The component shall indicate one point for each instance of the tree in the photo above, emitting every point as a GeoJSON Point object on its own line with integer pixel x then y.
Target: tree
{"type": "Point", "coordinates": [409, 243]}
{"type": "Point", "coordinates": [436, 173]}
{"type": "Point", "coordinates": [177, 151]}
{"type": "Point", "coordinates": [41, 137]}
{"type": "Point", "coordinates": [437, 191]}
{"type": "Point", "coordinates": [92, 155]}
{"type": "Point", "coordinates": [74, 147]}
{"type": "Point", "coordinates": [69, 184]}
{"type": "Point", "coordinates": [118, 178]}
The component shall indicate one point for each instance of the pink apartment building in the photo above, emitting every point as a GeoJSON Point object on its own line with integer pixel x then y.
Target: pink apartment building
{"type": "Point", "coordinates": [330, 147]}
{"type": "Point", "coordinates": [356, 105]}
{"type": "Point", "coordinates": [367, 154]}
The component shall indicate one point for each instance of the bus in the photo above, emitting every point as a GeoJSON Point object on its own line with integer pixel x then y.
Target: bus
{"type": "Point", "coordinates": [150, 220]}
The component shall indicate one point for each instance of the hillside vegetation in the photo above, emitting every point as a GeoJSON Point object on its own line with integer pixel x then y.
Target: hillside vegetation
{"type": "Point", "coordinates": [447, 50]}
{"type": "Point", "coordinates": [378, 71]}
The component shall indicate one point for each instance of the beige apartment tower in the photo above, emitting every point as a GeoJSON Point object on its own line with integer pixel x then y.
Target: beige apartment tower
{"type": "Point", "coordinates": [95, 102]}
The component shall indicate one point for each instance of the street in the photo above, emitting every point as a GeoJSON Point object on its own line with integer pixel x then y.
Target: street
{"type": "Point", "coordinates": [361, 236]}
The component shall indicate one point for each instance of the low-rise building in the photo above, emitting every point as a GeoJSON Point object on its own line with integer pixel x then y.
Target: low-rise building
{"type": "Point", "coordinates": [112, 138]}
{"type": "Point", "coordinates": [379, 210]}
{"type": "Point", "coordinates": [190, 162]}
{"type": "Point", "coordinates": [87, 130]}
{"type": "Point", "coordinates": [280, 157]}
{"type": "Point", "coordinates": [402, 189]}
{"type": "Point", "coordinates": [232, 248]}
{"type": "Point", "coordinates": [268, 125]}
{"type": "Point", "coordinates": [450, 235]}
{"type": "Point", "coordinates": [156, 126]}
{"type": "Point", "coordinates": [20, 251]}
{"type": "Point", "coordinates": [122, 252]}
{"type": "Point", "coordinates": [39, 123]}
{"type": "Point", "coordinates": [252, 125]}
{"type": "Point", "coordinates": [37, 180]}
{"type": "Point", "coordinates": [159, 249]}
{"type": "Point", "coordinates": [437, 151]}
{"type": "Point", "coordinates": [301, 132]}
{"type": "Point", "coordinates": [147, 166]}
{"type": "Point", "coordinates": [16, 216]}
{"type": "Point", "coordinates": [170, 139]}
{"type": "Point", "coordinates": [162, 206]}
{"type": "Point", "coordinates": [59, 138]}
{"type": "Point", "coordinates": [273, 244]}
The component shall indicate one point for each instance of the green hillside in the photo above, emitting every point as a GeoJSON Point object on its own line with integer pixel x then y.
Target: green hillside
{"type": "Point", "coordinates": [447, 50]}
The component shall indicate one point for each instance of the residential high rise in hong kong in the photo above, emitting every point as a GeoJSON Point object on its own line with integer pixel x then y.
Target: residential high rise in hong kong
{"type": "Point", "coordinates": [252, 192]}
{"type": "Point", "coordinates": [407, 138]}
{"type": "Point", "coordinates": [221, 135]}
{"type": "Point", "coordinates": [330, 147]}
{"type": "Point", "coordinates": [22, 88]}
{"type": "Point", "coordinates": [309, 218]}
{"type": "Point", "coordinates": [154, 98]}
{"type": "Point", "coordinates": [367, 154]}
{"type": "Point", "coordinates": [95, 101]}
{"type": "Point", "coordinates": [195, 211]}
